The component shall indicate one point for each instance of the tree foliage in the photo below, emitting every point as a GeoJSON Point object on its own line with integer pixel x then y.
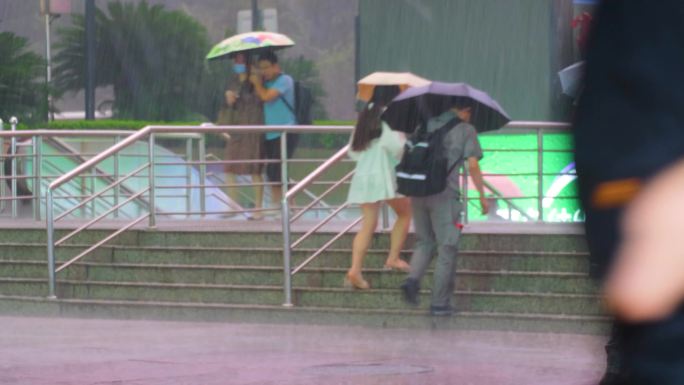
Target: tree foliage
{"type": "Point", "coordinates": [305, 71]}
{"type": "Point", "coordinates": [153, 58]}
{"type": "Point", "coordinates": [22, 82]}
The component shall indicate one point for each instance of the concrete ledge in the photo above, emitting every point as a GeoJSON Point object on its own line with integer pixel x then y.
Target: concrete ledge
{"type": "Point", "coordinates": [274, 225]}
{"type": "Point", "coordinates": [313, 316]}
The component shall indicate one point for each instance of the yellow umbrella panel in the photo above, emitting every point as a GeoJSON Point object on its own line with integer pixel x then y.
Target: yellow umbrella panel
{"type": "Point", "coordinates": [401, 79]}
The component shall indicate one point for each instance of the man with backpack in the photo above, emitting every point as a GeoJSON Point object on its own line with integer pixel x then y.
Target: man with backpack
{"type": "Point", "coordinates": [277, 91]}
{"type": "Point", "coordinates": [428, 173]}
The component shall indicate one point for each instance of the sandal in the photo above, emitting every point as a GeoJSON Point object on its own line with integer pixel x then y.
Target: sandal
{"type": "Point", "coordinates": [352, 282]}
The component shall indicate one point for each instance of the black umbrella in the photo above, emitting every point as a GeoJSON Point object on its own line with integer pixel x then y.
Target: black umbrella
{"type": "Point", "coordinates": [416, 105]}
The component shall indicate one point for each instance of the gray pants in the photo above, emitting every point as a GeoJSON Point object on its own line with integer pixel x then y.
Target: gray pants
{"type": "Point", "coordinates": [436, 219]}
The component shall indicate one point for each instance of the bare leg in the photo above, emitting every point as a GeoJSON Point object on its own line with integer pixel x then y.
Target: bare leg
{"type": "Point", "coordinates": [257, 179]}
{"type": "Point", "coordinates": [232, 191]}
{"type": "Point", "coordinates": [361, 242]}
{"type": "Point", "coordinates": [402, 207]}
{"type": "Point", "coordinates": [276, 195]}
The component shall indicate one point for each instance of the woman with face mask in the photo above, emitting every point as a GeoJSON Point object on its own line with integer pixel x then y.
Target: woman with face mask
{"type": "Point", "coordinates": [243, 107]}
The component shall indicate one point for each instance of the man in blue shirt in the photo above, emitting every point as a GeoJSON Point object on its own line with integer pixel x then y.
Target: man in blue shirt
{"type": "Point", "coordinates": [276, 90]}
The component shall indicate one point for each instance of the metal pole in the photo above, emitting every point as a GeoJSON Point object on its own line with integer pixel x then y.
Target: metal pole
{"type": "Point", "coordinates": [37, 162]}
{"type": "Point", "coordinates": [117, 172]}
{"type": "Point", "coordinates": [48, 57]}
{"type": "Point", "coordinates": [255, 15]}
{"type": "Point", "coordinates": [13, 152]}
{"type": "Point", "coordinates": [188, 174]}
{"type": "Point", "coordinates": [285, 208]}
{"type": "Point", "coordinates": [287, 253]}
{"type": "Point", "coordinates": [465, 194]}
{"type": "Point", "coordinates": [357, 46]}
{"type": "Point", "coordinates": [385, 216]}
{"type": "Point", "coordinates": [283, 164]}
{"type": "Point", "coordinates": [540, 175]}
{"type": "Point", "coordinates": [93, 206]}
{"type": "Point", "coordinates": [3, 185]}
{"type": "Point", "coordinates": [202, 154]}
{"type": "Point", "coordinates": [50, 244]}
{"type": "Point", "coordinates": [150, 173]}
{"type": "Point", "coordinates": [90, 59]}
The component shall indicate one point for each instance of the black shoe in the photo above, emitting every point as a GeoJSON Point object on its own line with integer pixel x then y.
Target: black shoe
{"type": "Point", "coordinates": [441, 311]}
{"type": "Point", "coordinates": [410, 289]}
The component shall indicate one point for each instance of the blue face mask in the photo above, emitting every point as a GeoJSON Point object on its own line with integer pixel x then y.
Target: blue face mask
{"type": "Point", "coordinates": [239, 68]}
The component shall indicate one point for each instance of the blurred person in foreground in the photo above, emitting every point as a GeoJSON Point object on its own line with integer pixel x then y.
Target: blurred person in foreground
{"type": "Point", "coordinates": [377, 150]}
{"type": "Point", "coordinates": [243, 107]}
{"type": "Point", "coordinates": [629, 137]}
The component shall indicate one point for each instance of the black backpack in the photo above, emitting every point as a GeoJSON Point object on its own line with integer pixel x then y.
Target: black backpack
{"type": "Point", "coordinates": [303, 99]}
{"type": "Point", "coordinates": [423, 168]}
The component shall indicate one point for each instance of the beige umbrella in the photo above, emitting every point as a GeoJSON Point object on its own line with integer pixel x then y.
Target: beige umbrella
{"type": "Point", "coordinates": [402, 79]}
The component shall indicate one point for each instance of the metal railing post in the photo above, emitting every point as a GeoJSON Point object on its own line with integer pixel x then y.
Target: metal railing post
{"type": "Point", "coordinates": [37, 162]}
{"type": "Point", "coordinates": [117, 174]}
{"type": "Point", "coordinates": [202, 154]}
{"type": "Point", "coordinates": [13, 152]}
{"type": "Point", "coordinates": [285, 214]}
{"type": "Point", "coordinates": [465, 195]}
{"type": "Point", "coordinates": [283, 163]}
{"type": "Point", "coordinates": [188, 175]}
{"type": "Point", "coordinates": [93, 205]}
{"type": "Point", "coordinates": [3, 185]}
{"type": "Point", "coordinates": [385, 216]}
{"type": "Point", "coordinates": [287, 252]}
{"type": "Point", "coordinates": [50, 243]}
{"type": "Point", "coordinates": [150, 173]}
{"type": "Point", "coordinates": [540, 175]}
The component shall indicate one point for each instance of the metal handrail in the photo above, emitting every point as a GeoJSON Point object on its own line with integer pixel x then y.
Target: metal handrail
{"type": "Point", "coordinates": [318, 226]}
{"type": "Point", "coordinates": [100, 243]}
{"type": "Point", "coordinates": [183, 129]}
{"type": "Point", "coordinates": [506, 199]}
{"type": "Point", "coordinates": [339, 155]}
{"type": "Point", "coordinates": [326, 245]}
{"type": "Point", "coordinates": [82, 133]}
{"type": "Point", "coordinates": [320, 198]}
{"type": "Point", "coordinates": [98, 218]}
{"type": "Point", "coordinates": [217, 160]}
{"type": "Point", "coordinates": [287, 246]}
{"type": "Point", "coordinates": [149, 133]}
{"type": "Point", "coordinates": [99, 193]}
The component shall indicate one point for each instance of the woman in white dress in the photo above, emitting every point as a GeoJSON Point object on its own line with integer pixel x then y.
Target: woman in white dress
{"type": "Point", "coordinates": [377, 151]}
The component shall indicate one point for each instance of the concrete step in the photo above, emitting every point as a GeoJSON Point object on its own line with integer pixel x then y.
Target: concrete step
{"type": "Point", "coordinates": [23, 305]}
{"type": "Point", "coordinates": [481, 280]}
{"type": "Point", "coordinates": [474, 301]}
{"type": "Point", "coordinates": [146, 237]}
{"type": "Point", "coordinates": [264, 256]}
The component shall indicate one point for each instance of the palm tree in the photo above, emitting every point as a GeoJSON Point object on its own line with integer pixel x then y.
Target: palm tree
{"type": "Point", "coordinates": [153, 58]}
{"type": "Point", "coordinates": [22, 85]}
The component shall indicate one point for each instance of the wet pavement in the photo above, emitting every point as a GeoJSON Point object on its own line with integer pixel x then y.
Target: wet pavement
{"type": "Point", "coordinates": [41, 351]}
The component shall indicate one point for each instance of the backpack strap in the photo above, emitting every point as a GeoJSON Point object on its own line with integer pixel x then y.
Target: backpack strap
{"type": "Point", "coordinates": [442, 131]}
{"type": "Point", "coordinates": [282, 97]}
{"type": "Point", "coordinates": [288, 105]}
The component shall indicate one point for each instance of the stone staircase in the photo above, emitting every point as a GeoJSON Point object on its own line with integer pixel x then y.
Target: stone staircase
{"type": "Point", "coordinates": [526, 282]}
